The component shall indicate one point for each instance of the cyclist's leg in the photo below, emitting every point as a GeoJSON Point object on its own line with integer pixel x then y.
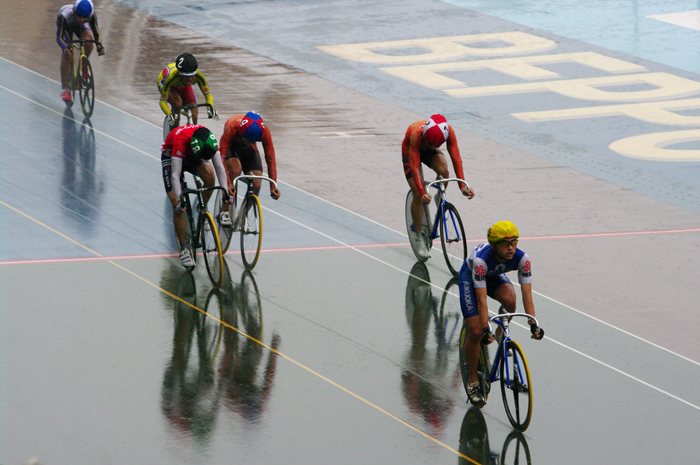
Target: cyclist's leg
{"type": "Point", "coordinates": [188, 98]}
{"type": "Point", "coordinates": [472, 321]}
{"type": "Point", "coordinates": [252, 164]}
{"type": "Point", "coordinates": [501, 289]}
{"type": "Point", "coordinates": [175, 100]}
{"type": "Point", "coordinates": [86, 34]}
{"type": "Point", "coordinates": [178, 218]}
{"type": "Point", "coordinates": [439, 164]}
{"type": "Point", "coordinates": [206, 172]}
{"type": "Point", "coordinates": [66, 57]}
{"type": "Point", "coordinates": [416, 203]}
{"type": "Point", "coordinates": [233, 168]}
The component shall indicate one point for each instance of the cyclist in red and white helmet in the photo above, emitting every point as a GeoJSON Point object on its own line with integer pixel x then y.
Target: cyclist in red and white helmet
{"type": "Point", "coordinates": [77, 19]}
{"type": "Point", "coordinates": [421, 145]}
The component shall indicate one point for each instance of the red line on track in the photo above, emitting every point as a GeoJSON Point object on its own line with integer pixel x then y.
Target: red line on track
{"type": "Point", "coordinates": [341, 247]}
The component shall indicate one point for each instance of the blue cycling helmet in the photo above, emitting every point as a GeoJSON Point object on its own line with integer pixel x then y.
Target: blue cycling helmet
{"type": "Point", "coordinates": [83, 8]}
{"type": "Point", "coordinates": [252, 125]}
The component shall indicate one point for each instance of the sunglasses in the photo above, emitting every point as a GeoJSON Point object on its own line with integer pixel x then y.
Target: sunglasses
{"type": "Point", "coordinates": [513, 242]}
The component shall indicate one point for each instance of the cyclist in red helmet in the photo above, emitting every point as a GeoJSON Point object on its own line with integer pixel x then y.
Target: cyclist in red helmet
{"type": "Point", "coordinates": [421, 145]}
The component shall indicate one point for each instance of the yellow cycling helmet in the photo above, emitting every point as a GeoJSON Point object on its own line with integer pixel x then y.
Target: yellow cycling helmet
{"type": "Point", "coordinates": [501, 230]}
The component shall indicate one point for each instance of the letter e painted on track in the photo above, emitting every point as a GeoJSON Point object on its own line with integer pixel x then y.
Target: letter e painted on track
{"type": "Point", "coordinates": [524, 68]}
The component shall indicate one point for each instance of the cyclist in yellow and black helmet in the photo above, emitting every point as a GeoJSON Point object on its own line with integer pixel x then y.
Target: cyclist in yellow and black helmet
{"type": "Point", "coordinates": [484, 274]}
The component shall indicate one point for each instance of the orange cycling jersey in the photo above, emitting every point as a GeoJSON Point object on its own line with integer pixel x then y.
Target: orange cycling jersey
{"type": "Point", "coordinates": [170, 78]}
{"type": "Point", "coordinates": [410, 152]}
{"type": "Point", "coordinates": [233, 136]}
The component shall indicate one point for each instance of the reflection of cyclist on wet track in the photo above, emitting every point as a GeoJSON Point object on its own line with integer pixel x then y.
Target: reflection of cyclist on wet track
{"type": "Point", "coordinates": [427, 367]}
{"type": "Point", "coordinates": [421, 145]}
{"type": "Point", "coordinates": [189, 148]}
{"type": "Point", "coordinates": [240, 152]}
{"type": "Point", "coordinates": [82, 183]}
{"type": "Point", "coordinates": [77, 19]}
{"type": "Point", "coordinates": [189, 398]}
{"type": "Point", "coordinates": [175, 87]}
{"type": "Point", "coordinates": [484, 274]}
{"type": "Point", "coordinates": [245, 391]}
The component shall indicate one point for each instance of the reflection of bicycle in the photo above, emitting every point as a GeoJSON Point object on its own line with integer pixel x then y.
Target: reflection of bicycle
{"type": "Point", "coordinates": [189, 397]}
{"type": "Point", "coordinates": [474, 443]}
{"type": "Point", "coordinates": [81, 78]}
{"type": "Point", "coordinates": [245, 381]}
{"type": "Point", "coordinates": [186, 111]}
{"type": "Point", "coordinates": [447, 224]}
{"type": "Point", "coordinates": [247, 220]}
{"type": "Point", "coordinates": [204, 236]}
{"type": "Point", "coordinates": [510, 366]}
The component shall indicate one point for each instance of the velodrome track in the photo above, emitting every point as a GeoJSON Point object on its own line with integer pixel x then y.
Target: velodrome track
{"type": "Point", "coordinates": [334, 356]}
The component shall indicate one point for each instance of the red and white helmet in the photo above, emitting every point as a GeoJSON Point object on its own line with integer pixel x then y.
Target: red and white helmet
{"type": "Point", "coordinates": [436, 130]}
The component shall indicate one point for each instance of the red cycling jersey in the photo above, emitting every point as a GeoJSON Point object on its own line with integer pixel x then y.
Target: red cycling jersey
{"type": "Point", "coordinates": [178, 141]}
{"type": "Point", "coordinates": [410, 152]}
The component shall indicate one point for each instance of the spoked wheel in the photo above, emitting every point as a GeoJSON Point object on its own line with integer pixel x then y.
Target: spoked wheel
{"type": "Point", "coordinates": [225, 232]}
{"type": "Point", "coordinates": [516, 387]}
{"type": "Point", "coordinates": [516, 453]}
{"type": "Point", "coordinates": [454, 243]}
{"type": "Point", "coordinates": [251, 231]}
{"type": "Point", "coordinates": [421, 249]}
{"type": "Point", "coordinates": [87, 88]}
{"type": "Point", "coordinates": [211, 249]}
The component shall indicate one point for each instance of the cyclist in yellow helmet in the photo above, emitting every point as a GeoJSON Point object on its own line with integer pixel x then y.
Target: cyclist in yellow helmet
{"type": "Point", "coordinates": [484, 274]}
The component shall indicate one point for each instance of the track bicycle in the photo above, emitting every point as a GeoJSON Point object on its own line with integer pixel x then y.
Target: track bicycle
{"type": "Point", "coordinates": [184, 111]}
{"type": "Point", "coordinates": [203, 233]}
{"type": "Point", "coordinates": [447, 224]}
{"type": "Point", "coordinates": [509, 366]}
{"type": "Point", "coordinates": [81, 77]}
{"type": "Point", "coordinates": [247, 220]}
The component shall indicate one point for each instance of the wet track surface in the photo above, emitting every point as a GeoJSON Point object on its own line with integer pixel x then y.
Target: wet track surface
{"type": "Point", "coordinates": [338, 347]}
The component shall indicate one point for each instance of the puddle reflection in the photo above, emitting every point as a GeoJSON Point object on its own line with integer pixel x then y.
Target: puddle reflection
{"type": "Point", "coordinates": [212, 365]}
{"type": "Point", "coordinates": [474, 443]}
{"type": "Point", "coordinates": [432, 371]}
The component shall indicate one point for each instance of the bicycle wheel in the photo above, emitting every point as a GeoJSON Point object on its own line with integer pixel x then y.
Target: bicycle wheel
{"type": "Point", "coordinates": [87, 87]}
{"type": "Point", "coordinates": [166, 128]}
{"type": "Point", "coordinates": [251, 306]}
{"type": "Point", "coordinates": [211, 249]}
{"type": "Point", "coordinates": [516, 387]}
{"type": "Point", "coordinates": [420, 250]}
{"type": "Point", "coordinates": [251, 231]}
{"type": "Point", "coordinates": [482, 366]}
{"type": "Point", "coordinates": [454, 243]}
{"type": "Point", "coordinates": [225, 232]}
{"type": "Point", "coordinates": [520, 450]}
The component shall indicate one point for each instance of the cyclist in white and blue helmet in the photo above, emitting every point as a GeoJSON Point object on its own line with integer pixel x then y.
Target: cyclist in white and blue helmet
{"type": "Point", "coordinates": [78, 19]}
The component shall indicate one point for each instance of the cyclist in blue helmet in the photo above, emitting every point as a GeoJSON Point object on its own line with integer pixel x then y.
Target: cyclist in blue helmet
{"type": "Point", "coordinates": [239, 150]}
{"type": "Point", "coordinates": [77, 19]}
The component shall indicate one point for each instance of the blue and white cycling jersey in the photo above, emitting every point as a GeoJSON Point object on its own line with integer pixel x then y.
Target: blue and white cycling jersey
{"type": "Point", "coordinates": [483, 265]}
{"type": "Point", "coordinates": [482, 269]}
